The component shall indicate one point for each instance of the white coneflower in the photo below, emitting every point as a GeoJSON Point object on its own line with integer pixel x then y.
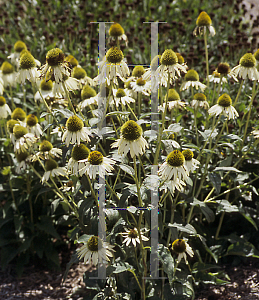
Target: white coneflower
{"type": "Point", "coordinates": [255, 133]}
{"type": "Point", "coordinates": [75, 131]}
{"type": "Point", "coordinates": [19, 46]}
{"type": "Point", "coordinates": [46, 88]}
{"type": "Point", "coordinates": [203, 23]}
{"type": "Point", "coordinates": [191, 78]}
{"type": "Point", "coordinates": [78, 159]}
{"type": "Point", "coordinates": [224, 70]}
{"type": "Point", "coordinates": [53, 170]}
{"type": "Point", "coordinates": [199, 100]}
{"type": "Point", "coordinates": [23, 139]}
{"type": "Point", "coordinates": [23, 158]}
{"type": "Point", "coordinates": [8, 74]}
{"type": "Point", "coordinates": [174, 101]}
{"type": "Point", "coordinates": [137, 72]}
{"type": "Point", "coordinates": [33, 125]}
{"type": "Point", "coordinates": [224, 106]}
{"type": "Point", "coordinates": [27, 68]}
{"type": "Point", "coordinates": [71, 84]}
{"type": "Point", "coordinates": [215, 77]}
{"type": "Point", "coordinates": [111, 66]}
{"type": "Point", "coordinates": [116, 31]}
{"type": "Point", "coordinates": [151, 75]}
{"type": "Point", "coordinates": [10, 125]}
{"type": "Point", "coordinates": [96, 163]}
{"type": "Point", "coordinates": [246, 68]}
{"type": "Point", "coordinates": [174, 170]}
{"type": "Point", "coordinates": [72, 61]}
{"type": "Point", "coordinates": [141, 86]}
{"type": "Point", "coordinates": [131, 140]}
{"type": "Point", "coordinates": [19, 115]}
{"type": "Point", "coordinates": [132, 236]}
{"type": "Point", "coordinates": [47, 151]}
{"type": "Point", "coordinates": [80, 74]}
{"type": "Point", "coordinates": [169, 67]}
{"type": "Point", "coordinates": [190, 162]}
{"type": "Point", "coordinates": [1, 85]}
{"type": "Point", "coordinates": [181, 247]}
{"type": "Point", "coordinates": [95, 250]}
{"type": "Point", "coordinates": [5, 110]}
{"type": "Point", "coordinates": [173, 142]}
{"type": "Point", "coordinates": [122, 97]}
{"type": "Point", "coordinates": [55, 65]}
{"type": "Point", "coordinates": [88, 96]}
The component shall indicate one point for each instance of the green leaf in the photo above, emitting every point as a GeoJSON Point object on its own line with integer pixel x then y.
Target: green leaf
{"type": "Point", "coordinates": [226, 162]}
{"type": "Point", "coordinates": [243, 249]}
{"type": "Point", "coordinates": [115, 113]}
{"type": "Point", "coordinates": [208, 213]}
{"type": "Point", "coordinates": [199, 266]}
{"type": "Point", "coordinates": [165, 257]}
{"type": "Point", "coordinates": [224, 205]}
{"type": "Point", "coordinates": [215, 179]}
{"type": "Point", "coordinates": [46, 224]}
{"type": "Point", "coordinates": [232, 169]}
{"type": "Point", "coordinates": [74, 260]}
{"type": "Point", "coordinates": [129, 170]}
{"type": "Point", "coordinates": [187, 228]}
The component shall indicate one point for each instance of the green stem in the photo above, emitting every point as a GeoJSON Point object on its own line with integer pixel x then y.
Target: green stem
{"type": "Point", "coordinates": [207, 57]}
{"type": "Point", "coordinates": [68, 97]}
{"type": "Point", "coordinates": [239, 91]}
{"type": "Point", "coordinates": [159, 138]}
{"type": "Point", "coordinates": [249, 112]}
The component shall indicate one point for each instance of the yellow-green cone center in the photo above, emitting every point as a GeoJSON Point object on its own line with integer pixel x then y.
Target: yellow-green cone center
{"type": "Point", "coordinates": [191, 75]}
{"type": "Point", "coordinates": [50, 164]}
{"type": "Point", "coordinates": [45, 146]}
{"type": "Point", "coordinates": [175, 159]}
{"type": "Point", "coordinates": [169, 58]}
{"type": "Point", "coordinates": [173, 95]}
{"type": "Point", "coordinates": [93, 243]}
{"type": "Point", "coordinates": [114, 55]}
{"type": "Point", "coordinates": [46, 85]}
{"type": "Point", "coordinates": [180, 58]}
{"type": "Point", "coordinates": [80, 152]}
{"type": "Point", "coordinates": [10, 125]}
{"type": "Point", "coordinates": [179, 246]}
{"type": "Point", "coordinates": [131, 131]}
{"type": "Point", "coordinates": [7, 68]}
{"type": "Point", "coordinates": [199, 97]}
{"type": "Point", "coordinates": [19, 46]}
{"type": "Point", "coordinates": [155, 62]}
{"type": "Point", "coordinates": [18, 114]}
{"type": "Point", "coordinates": [2, 101]}
{"type": "Point", "coordinates": [223, 68]}
{"type": "Point", "coordinates": [78, 73]}
{"type": "Point", "coordinates": [95, 158]}
{"type": "Point", "coordinates": [87, 92]}
{"type": "Point", "coordinates": [74, 124]}
{"type": "Point", "coordinates": [188, 154]}
{"type": "Point", "coordinates": [31, 120]}
{"type": "Point", "coordinates": [120, 93]}
{"type": "Point", "coordinates": [21, 156]}
{"type": "Point", "coordinates": [55, 57]}
{"type": "Point", "coordinates": [248, 60]}
{"type": "Point", "coordinates": [133, 233]}
{"type": "Point", "coordinates": [140, 82]}
{"type": "Point", "coordinates": [224, 100]}
{"type": "Point", "coordinates": [19, 131]}
{"type": "Point", "coordinates": [27, 61]}
{"type": "Point", "coordinates": [116, 30]}
{"type": "Point", "coordinates": [138, 71]}
{"type": "Point", "coordinates": [72, 60]}
{"type": "Point", "coordinates": [256, 54]}
{"type": "Point", "coordinates": [203, 19]}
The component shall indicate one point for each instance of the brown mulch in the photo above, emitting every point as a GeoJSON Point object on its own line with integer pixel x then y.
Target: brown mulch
{"type": "Point", "coordinates": [40, 284]}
